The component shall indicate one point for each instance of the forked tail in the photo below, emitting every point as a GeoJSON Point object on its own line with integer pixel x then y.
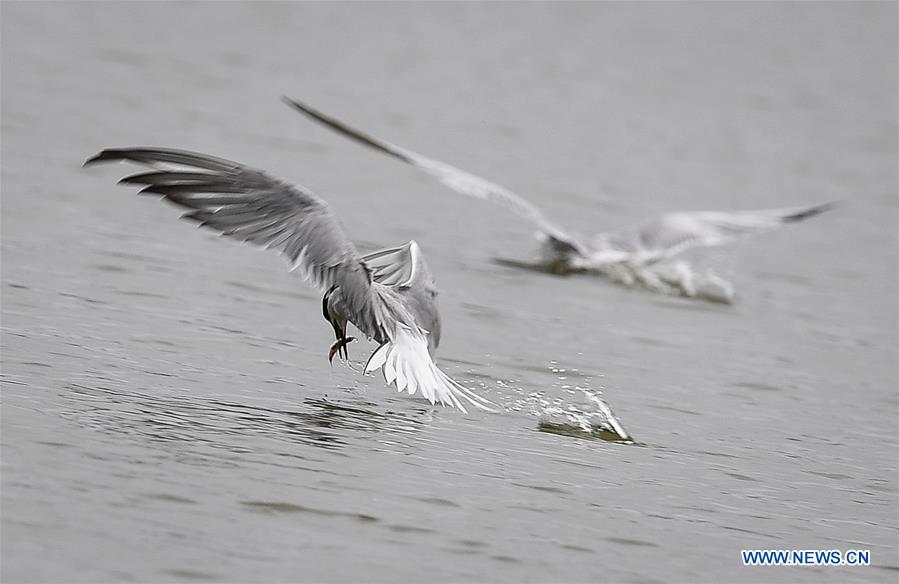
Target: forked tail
{"type": "Point", "coordinates": [407, 363]}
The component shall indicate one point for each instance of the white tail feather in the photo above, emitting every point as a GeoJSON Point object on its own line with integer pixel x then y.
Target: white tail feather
{"type": "Point", "coordinates": [406, 361]}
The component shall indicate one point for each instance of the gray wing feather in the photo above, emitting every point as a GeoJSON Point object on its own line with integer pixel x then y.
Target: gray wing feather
{"type": "Point", "coordinates": [403, 266]}
{"type": "Point", "coordinates": [674, 233]}
{"type": "Point", "coordinates": [152, 156]}
{"type": "Point", "coordinates": [390, 267]}
{"type": "Point", "coordinates": [456, 179]}
{"type": "Point", "coordinates": [711, 228]}
{"type": "Point", "coordinates": [249, 205]}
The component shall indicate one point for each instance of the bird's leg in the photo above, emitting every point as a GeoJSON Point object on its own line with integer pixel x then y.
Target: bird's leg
{"type": "Point", "coordinates": [339, 346]}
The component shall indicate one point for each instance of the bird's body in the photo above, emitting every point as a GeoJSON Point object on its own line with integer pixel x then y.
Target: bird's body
{"type": "Point", "coordinates": [631, 255]}
{"type": "Point", "coordinates": [388, 295]}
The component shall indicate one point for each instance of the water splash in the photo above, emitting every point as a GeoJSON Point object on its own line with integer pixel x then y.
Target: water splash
{"type": "Point", "coordinates": [582, 413]}
{"type": "Point", "coordinates": [678, 278]}
{"type": "Point", "coordinates": [590, 418]}
{"type": "Point", "coordinates": [706, 276]}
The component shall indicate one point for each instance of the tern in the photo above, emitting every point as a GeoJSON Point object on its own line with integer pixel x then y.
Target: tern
{"type": "Point", "coordinates": [389, 295]}
{"type": "Point", "coordinates": [629, 254]}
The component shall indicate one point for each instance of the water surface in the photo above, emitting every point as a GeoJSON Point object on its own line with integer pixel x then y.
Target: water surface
{"type": "Point", "coordinates": [168, 411]}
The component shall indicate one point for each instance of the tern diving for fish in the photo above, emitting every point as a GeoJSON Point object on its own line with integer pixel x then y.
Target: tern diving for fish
{"type": "Point", "coordinates": [628, 255]}
{"type": "Point", "coordinates": [389, 295]}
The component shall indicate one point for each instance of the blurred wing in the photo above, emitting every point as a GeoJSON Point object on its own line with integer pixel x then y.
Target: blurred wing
{"type": "Point", "coordinates": [249, 205]}
{"type": "Point", "coordinates": [406, 362]}
{"type": "Point", "coordinates": [674, 233]}
{"type": "Point", "coordinates": [455, 178]}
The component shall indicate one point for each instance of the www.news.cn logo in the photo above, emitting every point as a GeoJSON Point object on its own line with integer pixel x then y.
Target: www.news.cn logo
{"type": "Point", "coordinates": [806, 557]}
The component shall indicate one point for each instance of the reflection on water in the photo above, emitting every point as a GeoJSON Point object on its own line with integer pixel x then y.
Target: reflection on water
{"type": "Point", "coordinates": [322, 423]}
{"type": "Point", "coordinates": [579, 430]}
{"type": "Point", "coordinates": [279, 507]}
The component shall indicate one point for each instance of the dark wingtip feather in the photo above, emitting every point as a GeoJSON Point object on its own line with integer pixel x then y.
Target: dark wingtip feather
{"type": "Point", "coordinates": [151, 156]}
{"type": "Point", "coordinates": [103, 156]}
{"type": "Point", "coordinates": [809, 212]}
{"type": "Point", "coordinates": [140, 178]}
{"type": "Point", "coordinates": [309, 111]}
{"type": "Point", "coordinates": [171, 177]}
{"type": "Point", "coordinates": [150, 190]}
{"type": "Point", "coordinates": [349, 131]}
{"type": "Point", "coordinates": [296, 104]}
{"type": "Point", "coordinates": [134, 179]}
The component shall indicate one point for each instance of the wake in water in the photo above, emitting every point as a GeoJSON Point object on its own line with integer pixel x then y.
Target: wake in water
{"type": "Point", "coordinates": [581, 412]}
{"type": "Point", "coordinates": [680, 278]}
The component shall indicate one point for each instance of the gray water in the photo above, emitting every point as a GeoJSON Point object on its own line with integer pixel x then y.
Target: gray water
{"type": "Point", "coordinates": [168, 412]}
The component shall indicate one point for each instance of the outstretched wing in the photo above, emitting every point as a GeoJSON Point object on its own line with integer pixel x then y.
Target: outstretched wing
{"type": "Point", "coordinates": [457, 179]}
{"type": "Point", "coordinates": [249, 205]}
{"type": "Point", "coordinates": [674, 233]}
